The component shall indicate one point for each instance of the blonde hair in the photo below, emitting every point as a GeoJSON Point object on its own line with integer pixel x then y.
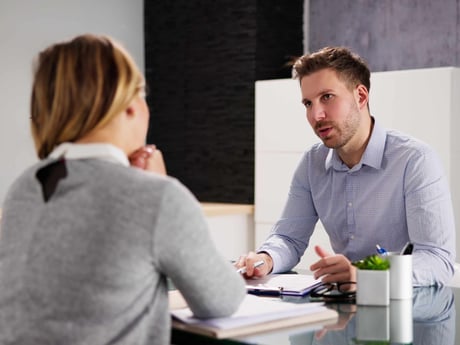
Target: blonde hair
{"type": "Point", "coordinates": [80, 85]}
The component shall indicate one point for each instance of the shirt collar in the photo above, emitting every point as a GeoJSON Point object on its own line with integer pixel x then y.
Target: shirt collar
{"type": "Point", "coordinates": [373, 155]}
{"type": "Point", "coordinates": [101, 151]}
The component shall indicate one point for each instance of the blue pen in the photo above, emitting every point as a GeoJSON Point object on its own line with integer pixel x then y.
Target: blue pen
{"type": "Point", "coordinates": [380, 250]}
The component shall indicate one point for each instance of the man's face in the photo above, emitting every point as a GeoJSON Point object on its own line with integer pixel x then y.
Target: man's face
{"type": "Point", "coordinates": [332, 108]}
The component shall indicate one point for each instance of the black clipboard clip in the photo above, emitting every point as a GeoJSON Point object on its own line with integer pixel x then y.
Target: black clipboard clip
{"type": "Point", "coordinates": [266, 292]}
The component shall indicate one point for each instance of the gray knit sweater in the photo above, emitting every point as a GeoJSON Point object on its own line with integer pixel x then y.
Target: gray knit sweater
{"type": "Point", "coordinates": [90, 265]}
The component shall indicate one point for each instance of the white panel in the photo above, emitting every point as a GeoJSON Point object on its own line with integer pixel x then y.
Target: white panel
{"type": "Point", "coordinates": [417, 102]}
{"type": "Point", "coordinates": [281, 123]}
{"type": "Point", "coordinates": [455, 149]}
{"type": "Point", "coordinates": [274, 172]}
{"type": "Point", "coordinates": [455, 191]}
{"type": "Point", "coordinates": [262, 230]}
{"type": "Point", "coordinates": [233, 235]}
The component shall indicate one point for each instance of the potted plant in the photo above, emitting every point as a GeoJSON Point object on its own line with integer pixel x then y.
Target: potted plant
{"type": "Point", "coordinates": [373, 281]}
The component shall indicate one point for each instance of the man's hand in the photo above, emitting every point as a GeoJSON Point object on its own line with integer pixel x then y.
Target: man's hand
{"type": "Point", "coordinates": [250, 259]}
{"type": "Point", "coordinates": [148, 158]}
{"type": "Point", "coordinates": [346, 313]}
{"type": "Point", "coordinates": [333, 268]}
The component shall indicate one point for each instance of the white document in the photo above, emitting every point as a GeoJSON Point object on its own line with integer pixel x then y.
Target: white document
{"type": "Point", "coordinates": [253, 310]}
{"type": "Point", "coordinates": [283, 284]}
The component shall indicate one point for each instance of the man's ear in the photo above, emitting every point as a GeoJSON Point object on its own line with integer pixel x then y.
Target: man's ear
{"type": "Point", "coordinates": [362, 96]}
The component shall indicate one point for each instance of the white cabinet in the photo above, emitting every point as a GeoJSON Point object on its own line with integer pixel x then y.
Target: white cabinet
{"type": "Point", "coordinates": [282, 135]}
{"type": "Point", "coordinates": [231, 227]}
{"type": "Point", "coordinates": [424, 103]}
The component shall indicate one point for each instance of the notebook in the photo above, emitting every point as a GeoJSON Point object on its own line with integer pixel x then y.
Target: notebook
{"type": "Point", "coordinates": [282, 284]}
{"type": "Point", "coordinates": [255, 314]}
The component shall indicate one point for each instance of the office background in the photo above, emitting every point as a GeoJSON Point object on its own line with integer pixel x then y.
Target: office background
{"type": "Point", "coordinates": [202, 58]}
{"type": "Point", "coordinates": [210, 53]}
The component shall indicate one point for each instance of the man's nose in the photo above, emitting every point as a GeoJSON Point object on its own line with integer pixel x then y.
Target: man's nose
{"type": "Point", "coordinates": [317, 112]}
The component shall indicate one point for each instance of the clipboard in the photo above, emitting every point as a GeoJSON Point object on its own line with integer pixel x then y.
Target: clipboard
{"type": "Point", "coordinates": [282, 284]}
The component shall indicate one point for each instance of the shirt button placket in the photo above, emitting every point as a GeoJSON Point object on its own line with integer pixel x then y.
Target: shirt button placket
{"type": "Point", "coordinates": [349, 192]}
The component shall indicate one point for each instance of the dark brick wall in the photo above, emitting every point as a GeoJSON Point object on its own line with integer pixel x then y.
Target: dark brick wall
{"type": "Point", "coordinates": [202, 59]}
{"type": "Point", "coordinates": [389, 34]}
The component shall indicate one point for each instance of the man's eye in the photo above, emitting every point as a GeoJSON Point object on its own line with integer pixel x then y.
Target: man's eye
{"type": "Point", "coordinates": [327, 96]}
{"type": "Point", "coordinates": [307, 104]}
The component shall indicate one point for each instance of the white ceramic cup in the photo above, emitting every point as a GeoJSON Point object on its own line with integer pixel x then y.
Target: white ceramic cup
{"type": "Point", "coordinates": [400, 276]}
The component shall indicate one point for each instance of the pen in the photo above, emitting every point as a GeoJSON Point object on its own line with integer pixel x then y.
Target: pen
{"type": "Point", "coordinates": [407, 249]}
{"type": "Point", "coordinates": [262, 292]}
{"type": "Point", "coordinates": [242, 270]}
{"type": "Point", "coordinates": [380, 250]}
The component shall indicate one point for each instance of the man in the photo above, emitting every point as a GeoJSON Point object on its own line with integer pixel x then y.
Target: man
{"type": "Point", "coordinates": [367, 185]}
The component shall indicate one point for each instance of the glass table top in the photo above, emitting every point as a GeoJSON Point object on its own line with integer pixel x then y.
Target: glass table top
{"type": "Point", "coordinates": [429, 318]}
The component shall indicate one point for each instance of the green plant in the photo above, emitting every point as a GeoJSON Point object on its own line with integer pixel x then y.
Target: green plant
{"type": "Point", "coordinates": [373, 262]}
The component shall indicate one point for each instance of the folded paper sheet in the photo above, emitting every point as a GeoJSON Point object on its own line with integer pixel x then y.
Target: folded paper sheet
{"type": "Point", "coordinates": [255, 314]}
{"type": "Point", "coordinates": [283, 284]}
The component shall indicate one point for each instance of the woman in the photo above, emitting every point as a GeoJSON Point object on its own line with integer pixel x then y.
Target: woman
{"type": "Point", "coordinates": [87, 240]}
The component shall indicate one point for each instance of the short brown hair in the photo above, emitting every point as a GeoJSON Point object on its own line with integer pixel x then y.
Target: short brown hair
{"type": "Point", "coordinates": [350, 67]}
{"type": "Point", "coordinates": [79, 85]}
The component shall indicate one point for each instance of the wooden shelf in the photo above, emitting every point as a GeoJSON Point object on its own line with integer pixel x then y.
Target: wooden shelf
{"type": "Point", "coordinates": [222, 209]}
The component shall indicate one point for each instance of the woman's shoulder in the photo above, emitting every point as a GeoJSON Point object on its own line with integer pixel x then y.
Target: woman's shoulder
{"type": "Point", "coordinates": [135, 181]}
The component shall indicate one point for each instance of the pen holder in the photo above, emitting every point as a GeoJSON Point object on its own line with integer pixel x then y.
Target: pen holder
{"type": "Point", "coordinates": [400, 276]}
{"type": "Point", "coordinates": [372, 287]}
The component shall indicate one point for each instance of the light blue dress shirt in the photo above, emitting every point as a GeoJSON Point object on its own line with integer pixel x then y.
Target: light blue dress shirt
{"type": "Point", "coordinates": [397, 193]}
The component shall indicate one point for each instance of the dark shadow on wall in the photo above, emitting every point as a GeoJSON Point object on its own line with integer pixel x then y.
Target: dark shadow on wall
{"type": "Point", "coordinates": [202, 59]}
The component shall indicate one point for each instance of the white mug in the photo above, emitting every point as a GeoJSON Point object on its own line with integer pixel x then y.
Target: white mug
{"type": "Point", "coordinates": [400, 275]}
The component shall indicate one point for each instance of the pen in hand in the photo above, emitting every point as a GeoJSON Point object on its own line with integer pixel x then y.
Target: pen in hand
{"type": "Point", "coordinates": [242, 270]}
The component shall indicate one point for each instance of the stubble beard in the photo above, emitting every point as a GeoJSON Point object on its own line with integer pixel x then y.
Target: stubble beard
{"type": "Point", "coordinates": [346, 131]}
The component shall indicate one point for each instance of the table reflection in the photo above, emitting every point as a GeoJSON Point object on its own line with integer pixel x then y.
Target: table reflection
{"type": "Point", "coordinates": [434, 316]}
{"type": "Point", "coordinates": [431, 314]}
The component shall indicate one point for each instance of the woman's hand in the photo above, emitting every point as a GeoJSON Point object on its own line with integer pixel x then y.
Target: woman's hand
{"type": "Point", "coordinates": [148, 158]}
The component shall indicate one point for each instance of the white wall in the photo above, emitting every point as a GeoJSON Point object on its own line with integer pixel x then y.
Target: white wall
{"type": "Point", "coordinates": [28, 26]}
{"type": "Point", "coordinates": [282, 134]}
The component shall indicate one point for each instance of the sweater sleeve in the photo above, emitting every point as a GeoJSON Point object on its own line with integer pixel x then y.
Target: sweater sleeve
{"type": "Point", "coordinates": [185, 252]}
